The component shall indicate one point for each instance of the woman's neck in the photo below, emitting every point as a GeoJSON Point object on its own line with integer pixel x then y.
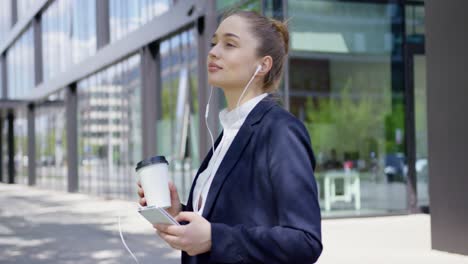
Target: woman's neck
{"type": "Point", "coordinates": [232, 96]}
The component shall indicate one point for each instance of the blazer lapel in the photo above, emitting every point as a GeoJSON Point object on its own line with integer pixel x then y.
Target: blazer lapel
{"type": "Point", "coordinates": [234, 152]}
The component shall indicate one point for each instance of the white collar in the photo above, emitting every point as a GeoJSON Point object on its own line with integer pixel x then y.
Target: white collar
{"type": "Point", "coordinates": [229, 119]}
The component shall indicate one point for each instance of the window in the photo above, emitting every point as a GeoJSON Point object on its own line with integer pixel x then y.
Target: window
{"type": "Point", "coordinates": [341, 87]}
{"type": "Point", "coordinates": [126, 16]}
{"type": "Point", "coordinates": [20, 66]}
{"type": "Point", "coordinates": [177, 125]}
{"type": "Point", "coordinates": [109, 130]}
{"type": "Point", "coordinates": [51, 143]}
{"type": "Point", "coordinates": [68, 35]}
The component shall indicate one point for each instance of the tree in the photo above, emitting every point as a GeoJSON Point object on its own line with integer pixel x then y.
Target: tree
{"type": "Point", "coordinates": [351, 123]}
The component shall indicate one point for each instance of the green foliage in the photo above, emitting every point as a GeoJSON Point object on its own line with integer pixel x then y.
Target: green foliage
{"type": "Point", "coordinates": [351, 123]}
{"type": "Point", "coordinates": [395, 121]}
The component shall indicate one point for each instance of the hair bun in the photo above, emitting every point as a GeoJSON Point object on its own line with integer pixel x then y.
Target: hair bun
{"type": "Point", "coordinates": [282, 28]}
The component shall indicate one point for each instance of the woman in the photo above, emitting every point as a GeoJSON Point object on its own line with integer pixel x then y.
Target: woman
{"type": "Point", "coordinates": [255, 199]}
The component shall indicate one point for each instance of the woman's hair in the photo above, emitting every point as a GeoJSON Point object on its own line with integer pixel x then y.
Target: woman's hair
{"type": "Point", "coordinates": [273, 36]}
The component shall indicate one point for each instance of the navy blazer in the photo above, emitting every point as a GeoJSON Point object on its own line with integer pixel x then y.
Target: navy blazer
{"type": "Point", "coordinates": [263, 204]}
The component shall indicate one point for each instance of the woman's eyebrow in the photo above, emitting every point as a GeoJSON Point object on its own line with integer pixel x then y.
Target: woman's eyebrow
{"type": "Point", "coordinates": [227, 35]}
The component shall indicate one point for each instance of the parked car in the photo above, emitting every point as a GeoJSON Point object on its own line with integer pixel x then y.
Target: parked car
{"type": "Point", "coordinates": [395, 167]}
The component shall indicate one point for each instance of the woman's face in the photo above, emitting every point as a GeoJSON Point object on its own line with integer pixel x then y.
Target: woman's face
{"type": "Point", "coordinates": [232, 59]}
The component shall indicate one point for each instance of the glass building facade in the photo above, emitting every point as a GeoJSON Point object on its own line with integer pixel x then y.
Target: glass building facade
{"type": "Point", "coordinates": [341, 88]}
{"type": "Point", "coordinates": [109, 129]}
{"type": "Point", "coordinates": [126, 16]}
{"type": "Point", "coordinates": [5, 18]}
{"type": "Point", "coordinates": [179, 109]}
{"type": "Point", "coordinates": [20, 66]}
{"type": "Point", "coordinates": [355, 77]}
{"type": "Point", "coordinates": [23, 7]}
{"type": "Point", "coordinates": [21, 146]}
{"type": "Point", "coordinates": [68, 35]}
{"type": "Point", "coordinates": [51, 143]}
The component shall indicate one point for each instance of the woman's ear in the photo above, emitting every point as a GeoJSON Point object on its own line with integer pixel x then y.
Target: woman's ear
{"type": "Point", "coordinates": [266, 63]}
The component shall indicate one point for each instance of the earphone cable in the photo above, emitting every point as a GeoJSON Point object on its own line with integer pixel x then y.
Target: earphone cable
{"type": "Point", "coordinates": [123, 241]}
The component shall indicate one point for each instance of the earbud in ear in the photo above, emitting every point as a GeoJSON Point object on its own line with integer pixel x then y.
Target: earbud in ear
{"type": "Point", "coordinates": [259, 67]}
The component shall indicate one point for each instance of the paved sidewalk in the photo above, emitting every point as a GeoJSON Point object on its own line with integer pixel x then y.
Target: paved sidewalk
{"type": "Point", "coordinates": [382, 240]}
{"type": "Point", "coordinates": [42, 226]}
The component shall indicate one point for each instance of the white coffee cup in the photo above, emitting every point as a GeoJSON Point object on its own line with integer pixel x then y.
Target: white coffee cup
{"type": "Point", "coordinates": [153, 174]}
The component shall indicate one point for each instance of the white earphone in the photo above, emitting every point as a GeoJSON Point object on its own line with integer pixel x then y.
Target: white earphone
{"type": "Point", "coordinates": [207, 110]}
{"type": "Point", "coordinates": [259, 67]}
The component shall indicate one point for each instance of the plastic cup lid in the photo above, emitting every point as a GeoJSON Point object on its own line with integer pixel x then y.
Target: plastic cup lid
{"type": "Point", "coordinates": [151, 161]}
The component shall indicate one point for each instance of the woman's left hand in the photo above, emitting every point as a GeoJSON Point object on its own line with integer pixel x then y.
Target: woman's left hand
{"type": "Point", "coordinates": [193, 238]}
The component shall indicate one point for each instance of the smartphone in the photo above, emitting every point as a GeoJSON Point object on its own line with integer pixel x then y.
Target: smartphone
{"type": "Point", "coordinates": [157, 215]}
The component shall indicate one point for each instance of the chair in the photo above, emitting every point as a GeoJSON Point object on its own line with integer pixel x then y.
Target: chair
{"type": "Point", "coordinates": [352, 188]}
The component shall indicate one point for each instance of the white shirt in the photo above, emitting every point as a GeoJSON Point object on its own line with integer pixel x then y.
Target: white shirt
{"type": "Point", "coordinates": [231, 122]}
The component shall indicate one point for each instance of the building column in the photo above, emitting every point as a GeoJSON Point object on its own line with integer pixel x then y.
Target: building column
{"type": "Point", "coordinates": [447, 61]}
{"type": "Point", "coordinates": [38, 78]}
{"type": "Point", "coordinates": [31, 146]}
{"type": "Point", "coordinates": [4, 79]}
{"type": "Point", "coordinates": [14, 12]}
{"type": "Point", "coordinates": [4, 95]}
{"type": "Point", "coordinates": [150, 97]}
{"type": "Point", "coordinates": [102, 23]}
{"type": "Point", "coordinates": [37, 32]}
{"type": "Point", "coordinates": [410, 132]}
{"type": "Point", "coordinates": [71, 102]}
{"type": "Point", "coordinates": [11, 147]}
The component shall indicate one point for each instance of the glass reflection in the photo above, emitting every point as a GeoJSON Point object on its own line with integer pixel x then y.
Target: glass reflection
{"type": "Point", "coordinates": [356, 28]}
{"type": "Point", "coordinates": [341, 88]}
{"type": "Point", "coordinates": [5, 19]}
{"type": "Point", "coordinates": [420, 112]}
{"type": "Point", "coordinates": [20, 66]}
{"type": "Point", "coordinates": [21, 146]}
{"type": "Point", "coordinates": [178, 122]}
{"type": "Point", "coordinates": [51, 148]}
{"type": "Point", "coordinates": [126, 16]}
{"type": "Point", "coordinates": [23, 7]}
{"type": "Point", "coordinates": [84, 29]}
{"type": "Point", "coordinates": [68, 34]}
{"type": "Point", "coordinates": [414, 15]}
{"type": "Point", "coordinates": [109, 130]}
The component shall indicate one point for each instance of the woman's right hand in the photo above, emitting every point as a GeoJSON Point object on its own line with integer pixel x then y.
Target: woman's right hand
{"type": "Point", "coordinates": [176, 206]}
